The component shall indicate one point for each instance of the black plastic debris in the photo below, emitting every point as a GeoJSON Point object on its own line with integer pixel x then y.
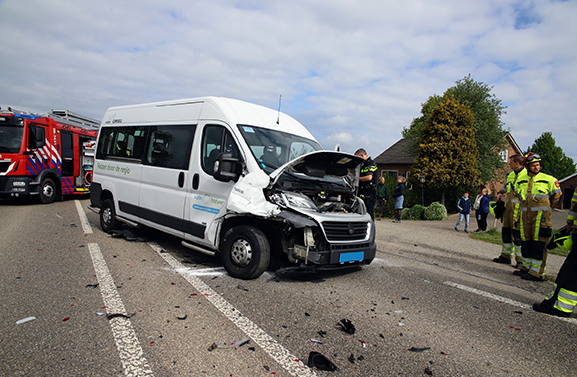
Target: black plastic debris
{"type": "Point", "coordinates": [382, 336]}
{"type": "Point", "coordinates": [307, 314]}
{"type": "Point", "coordinates": [518, 312]}
{"type": "Point", "coordinates": [116, 315]}
{"type": "Point", "coordinates": [319, 361]}
{"type": "Point", "coordinates": [415, 349]}
{"type": "Point", "coordinates": [322, 333]}
{"type": "Point", "coordinates": [428, 371]}
{"type": "Point", "coordinates": [92, 285]}
{"type": "Point", "coordinates": [242, 288]}
{"type": "Point", "coordinates": [127, 234]}
{"type": "Point", "coordinates": [352, 358]}
{"type": "Point", "coordinates": [361, 358]}
{"type": "Point", "coordinates": [233, 345]}
{"type": "Point", "coordinates": [347, 326]}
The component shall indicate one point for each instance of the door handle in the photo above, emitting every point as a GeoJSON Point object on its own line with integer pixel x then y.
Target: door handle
{"type": "Point", "coordinates": [181, 180]}
{"type": "Point", "coordinates": [195, 181]}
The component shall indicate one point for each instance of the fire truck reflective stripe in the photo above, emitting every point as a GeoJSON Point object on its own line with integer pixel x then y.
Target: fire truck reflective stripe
{"type": "Point", "coordinates": [67, 185]}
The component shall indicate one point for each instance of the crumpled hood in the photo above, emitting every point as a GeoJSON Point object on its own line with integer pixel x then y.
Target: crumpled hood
{"type": "Point", "coordinates": [321, 164]}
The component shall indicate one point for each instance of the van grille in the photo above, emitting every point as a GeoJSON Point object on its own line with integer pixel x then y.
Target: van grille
{"type": "Point", "coordinates": [338, 231]}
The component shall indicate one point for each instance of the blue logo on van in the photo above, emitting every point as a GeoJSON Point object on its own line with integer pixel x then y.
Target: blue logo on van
{"type": "Point", "coordinates": [205, 209]}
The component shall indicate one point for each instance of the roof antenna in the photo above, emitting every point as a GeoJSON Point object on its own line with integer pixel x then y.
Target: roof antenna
{"type": "Point", "coordinates": [278, 117]}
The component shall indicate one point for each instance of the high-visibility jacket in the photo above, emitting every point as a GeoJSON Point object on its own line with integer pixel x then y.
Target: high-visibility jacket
{"type": "Point", "coordinates": [539, 194]}
{"type": "Point", "coordinates": [512, 200]}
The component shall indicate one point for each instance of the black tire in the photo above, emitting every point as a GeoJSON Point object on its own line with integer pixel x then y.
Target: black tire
{"type": "Point", "coordinates": [245, 252]}
{"type": "Point", "coordinates": [47, 191]}
{"type": "Point", "coordinates": [108, 220]}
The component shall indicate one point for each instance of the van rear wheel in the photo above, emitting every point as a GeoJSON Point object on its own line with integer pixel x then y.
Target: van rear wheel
{"type": "Point", "coordinates": [108, 220]}
{"type": "Point", "coordinates": [245, 252]}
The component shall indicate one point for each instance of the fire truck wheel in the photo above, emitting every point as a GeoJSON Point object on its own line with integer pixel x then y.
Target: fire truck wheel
{"type": "Point", "coordinates": [47, 191]}
{"type": "Point", "coordinates": [245, 252]}
{"type": "Point", "coordinates": [108, 220]}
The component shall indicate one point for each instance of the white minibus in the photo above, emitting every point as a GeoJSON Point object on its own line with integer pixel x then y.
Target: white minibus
{"type": "Point", "coordinates": [233, 179]}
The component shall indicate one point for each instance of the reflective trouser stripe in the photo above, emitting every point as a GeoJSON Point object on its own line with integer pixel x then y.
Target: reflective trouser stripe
{"type": "Point", "coordinates": [536, 266]}
{"type": "Point", "coordinates": [507, 250]}
{"type": "Point", "coordinates": [537, 225]}
{"type": "Point", "coordinates": [518, 255]}
{"type": "Point", "coordinates": [566, 300]}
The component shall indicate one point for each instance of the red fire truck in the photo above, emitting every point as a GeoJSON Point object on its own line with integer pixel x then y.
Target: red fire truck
{"type": "Point", "coordinates": [46, 155]}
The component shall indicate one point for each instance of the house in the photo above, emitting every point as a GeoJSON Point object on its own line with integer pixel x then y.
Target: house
{"type": "Point", "coordinates": [568, 185]}
{"type": "Point", "coordinates": [398, 159]}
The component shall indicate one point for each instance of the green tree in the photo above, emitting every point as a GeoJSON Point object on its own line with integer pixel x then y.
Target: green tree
{"type": "Point", "coordinates": [553, 159]}
{"type": "Point", "coordinates": [487, 110]}
{"type": "Point", "coordinates": [446, 147]}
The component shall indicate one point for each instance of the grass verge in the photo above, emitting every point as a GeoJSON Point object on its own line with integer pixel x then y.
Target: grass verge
{"type": "Point", "coordinates": [493, 236]}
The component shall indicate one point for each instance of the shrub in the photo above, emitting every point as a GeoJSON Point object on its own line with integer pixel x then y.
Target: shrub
{"type": "Point", "coordinates": [416, 212]}
{"type": "Point", "coordinates": [436, 211]}
{"type": "Point", "coordinates": [405, 214]}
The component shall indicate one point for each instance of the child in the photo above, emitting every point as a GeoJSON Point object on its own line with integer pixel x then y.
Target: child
{"type": "Point", "coordinates": [464, 206]}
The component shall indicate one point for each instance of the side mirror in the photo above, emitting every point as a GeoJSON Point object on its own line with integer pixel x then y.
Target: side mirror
{"type": "Point", "coordinates": [226, 167]}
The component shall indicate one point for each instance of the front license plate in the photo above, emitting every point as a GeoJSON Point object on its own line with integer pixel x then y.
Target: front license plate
{"type": "Point", "coordinates": [352, 257]}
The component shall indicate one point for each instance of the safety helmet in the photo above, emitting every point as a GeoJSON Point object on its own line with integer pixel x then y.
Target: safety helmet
{"type": "Point", "coordinates": [563, 239]}
{"type": "Point", "coordinates": [531, 157]}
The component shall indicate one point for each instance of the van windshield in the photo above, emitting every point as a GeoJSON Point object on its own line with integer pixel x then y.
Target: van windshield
{"type": "Point", "coordinates": [274, 148]}
{"type": "Point", "coordinates": [10, 138]}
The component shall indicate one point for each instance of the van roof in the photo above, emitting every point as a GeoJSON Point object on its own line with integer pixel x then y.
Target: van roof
{"type": "Point", "coordinates": [181, 111]}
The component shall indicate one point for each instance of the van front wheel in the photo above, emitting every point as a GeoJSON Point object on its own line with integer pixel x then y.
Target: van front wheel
{"type": "Point", "coordinates": [245, 252]}
{"type": "Point", "coordinates": [108, 220]}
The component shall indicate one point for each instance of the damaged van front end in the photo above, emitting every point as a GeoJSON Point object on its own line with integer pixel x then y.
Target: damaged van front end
{"type": "Point", "coordinates": [316, 220]}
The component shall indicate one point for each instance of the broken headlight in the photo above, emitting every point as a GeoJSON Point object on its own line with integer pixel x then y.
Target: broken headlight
{"type": "Point", "coordinates": [293, 200]}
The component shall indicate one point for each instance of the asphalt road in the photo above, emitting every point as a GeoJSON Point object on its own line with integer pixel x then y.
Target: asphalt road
{"type": "Point", "coordinates": [432, 303]}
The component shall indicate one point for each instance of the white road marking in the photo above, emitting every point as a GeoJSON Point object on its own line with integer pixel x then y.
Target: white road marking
{"type": "Point", "coordinates": [83, 219]}
{"type": "Point", "coordinates": [501, 299]}
{"type": "Point", "coordinates": [129, 349]}
{"type": "Point", "coordinates": [280, 354]}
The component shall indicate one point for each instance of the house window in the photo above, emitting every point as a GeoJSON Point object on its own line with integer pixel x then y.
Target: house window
{"type": "Point", "coordinates": [392, 173]}
{"type": "Point", "coordinates": [504, 155]}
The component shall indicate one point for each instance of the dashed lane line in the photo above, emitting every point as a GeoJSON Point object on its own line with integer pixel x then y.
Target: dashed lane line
{"type": "Point", "coordinates": [501, 299]}
{"type": "Point", "coordinates": [129, 349]}
{"type": "Point", "coordinates": [83, 219]}
{"type": "Point", "coordinates": [280, 354]}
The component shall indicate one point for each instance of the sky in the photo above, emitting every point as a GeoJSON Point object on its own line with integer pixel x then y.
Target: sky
{"type": "Point", "coordinates": [355, 73]}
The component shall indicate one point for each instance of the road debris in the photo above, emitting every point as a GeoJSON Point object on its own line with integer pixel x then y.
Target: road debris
{"type": "Point", "coordinates": [319, 361]}
{"type": "Point", "coordinates": [182, 317]}
{"type": "Point", "coordinates": [116, 315]}
{"type": "Point", "coordinates": [233, 345]}
{"type": "Point", "coordinates": [92, 285]}
{"type": "Point", "coordinates": [24, 320]}
{"type": "Point", "coordinates": [347, 326]}
{"type": "Point", "coordinates": [415, 349]}
{"type": "Point", "coordinates": [316, 341]}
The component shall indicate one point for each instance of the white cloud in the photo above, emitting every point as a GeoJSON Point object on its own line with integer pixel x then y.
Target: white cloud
{"type": "Point", "coordinates": [353, 72]}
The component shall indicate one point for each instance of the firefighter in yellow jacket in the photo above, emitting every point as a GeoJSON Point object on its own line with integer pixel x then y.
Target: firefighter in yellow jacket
{"type": "Point", "coordinates": [511, 249]}
{"type": "Point", "coordinates": [539, 194]}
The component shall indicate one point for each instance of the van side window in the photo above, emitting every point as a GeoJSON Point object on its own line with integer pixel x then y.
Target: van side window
{"type": "Point", "coordinates": [169, 146]}
{"type": "Point", "coordinates": [216, 139]}
{"type": "Point", "coordinates": [121, 142]}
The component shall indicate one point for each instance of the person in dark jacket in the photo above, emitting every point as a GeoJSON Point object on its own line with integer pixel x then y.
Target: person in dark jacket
{"type": "Point", "coordinates": [399, 198]}
{"type": "Point", "coordinates": [483, 211]}
{"type": "Point", "coordinates": [382, 196]}
{"type": "Point", "coordinates": [464, 206]}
